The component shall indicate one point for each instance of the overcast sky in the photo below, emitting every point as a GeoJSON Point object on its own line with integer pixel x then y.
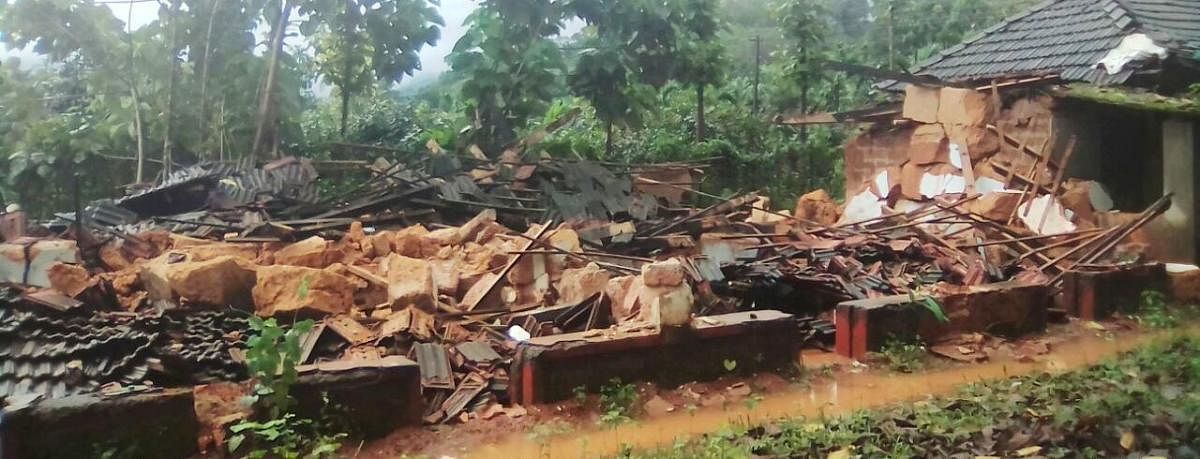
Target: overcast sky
{"type": "Point", "coordinates": [433, 59]}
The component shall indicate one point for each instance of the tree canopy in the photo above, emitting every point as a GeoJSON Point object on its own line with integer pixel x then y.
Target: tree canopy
{"type": "Point", "coordinates": [233, 79]}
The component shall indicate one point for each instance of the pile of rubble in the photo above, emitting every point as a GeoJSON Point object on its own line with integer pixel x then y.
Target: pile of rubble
{"type": "Point", "coordinates": [455, 260]}
{"type": "Point", "coordinates": [956, 140]}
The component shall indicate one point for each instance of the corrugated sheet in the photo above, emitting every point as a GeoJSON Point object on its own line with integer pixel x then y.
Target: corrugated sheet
{"type": "Point", "coordinates": [477, 352]}
{"type": "Point", "coordinates": [435, 365]}
{"type": "Point", "coordinates": [226, 184]}
{"type": "Point", "coordinates": [1066, 37]}
{"type": "Point", "coordinates": [57, 354]}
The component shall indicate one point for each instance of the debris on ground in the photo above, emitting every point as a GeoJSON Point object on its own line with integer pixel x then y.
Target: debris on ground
{"type": "Point", "coordinates": [454, 261]}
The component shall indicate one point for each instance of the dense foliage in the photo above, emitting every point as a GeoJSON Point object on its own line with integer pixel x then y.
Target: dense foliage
{"type": "Point", "coordinates": [1146, 404]}
{"type": "Point", "coordinates": [660, 80]}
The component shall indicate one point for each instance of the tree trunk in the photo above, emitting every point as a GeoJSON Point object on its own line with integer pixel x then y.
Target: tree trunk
{"type": "Point", "coordinates": [169, 114]}
{"type": "Point", "coordinates": [891, 34]}
{"type": "Point", "coordinates": [137, 103]}
{"type": "Point", "coordinates": [204, 66]}
{"type": "Point", "coordinates": [804, 80]}
{"type": "Point", "coordinates": [700, 126]}
{"type": "Point", "coordinates": [608, 140]}
{"type": "Point", "coordinates": [137, 132]}
{"type": "Point", "coordinates": [266, 99]}
{"type": "Point", "coordinates": [345, 111]}
{"type": "Point", "coordinates": [347, 80]}
{"type": "Point", "coordinates": [221, 131]}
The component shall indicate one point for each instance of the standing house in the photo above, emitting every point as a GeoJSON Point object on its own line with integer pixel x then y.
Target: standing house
{"type": "Point", "coordinates": [1109, 77]}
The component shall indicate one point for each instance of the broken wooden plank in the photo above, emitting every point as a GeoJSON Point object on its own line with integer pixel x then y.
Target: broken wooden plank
{"type": "Point", "coordinates": [509, 266]}
{"type": "Point", "coordinates": [349, 329]}
{"type": "Point", "coordinates": [471, 386]}
{"type": "Point", "coordinates": [1058, 176]}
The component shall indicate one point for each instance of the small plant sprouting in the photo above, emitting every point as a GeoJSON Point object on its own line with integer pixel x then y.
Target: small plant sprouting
{"type": "Point", "coordinates": [272, 355]}
{"type": "Point", "coordinates": [903, 356]}
{"type": "Point", "coordinates": [917, 296]}
{"type": "Point", "coordinates": [618, 400]}
{"type": "Point", "coordinates": [542, 433]}
{"type": "Point", "coordinates": [753, 401]}
{"type": "Point", "coordinates": [581, 395]}
{"type": "Point", "coordinates": [302, 290]}
{"type": "Point", "coordinates": [730, 365]}
{"type": "Point", "coordinates": [1154, 312]}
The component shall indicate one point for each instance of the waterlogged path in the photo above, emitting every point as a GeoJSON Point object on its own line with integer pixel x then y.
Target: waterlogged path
{"type": "Point", "coordinates": [828, 397]}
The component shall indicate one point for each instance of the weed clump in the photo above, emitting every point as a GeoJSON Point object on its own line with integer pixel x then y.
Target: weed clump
{"type": "Point", "coordinates": [618, 401]}
{"type": "Point", "coordinates": [904, 356]}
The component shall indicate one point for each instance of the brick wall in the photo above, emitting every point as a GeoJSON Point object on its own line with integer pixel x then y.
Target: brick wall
{"type": "Point", "coordinates": [1031, 120]}
{"type": "Point", "coordinates": [873, 151]}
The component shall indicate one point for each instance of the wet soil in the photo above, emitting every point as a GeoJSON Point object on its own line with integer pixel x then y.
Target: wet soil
{"type": "Point", "coordinates": [830, 386]}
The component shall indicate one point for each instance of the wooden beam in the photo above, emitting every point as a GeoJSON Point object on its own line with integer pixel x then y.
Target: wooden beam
{"type": "Point", "coordinates": [885, 74]}
{"type": "Point", "coordinates": [509, 266]}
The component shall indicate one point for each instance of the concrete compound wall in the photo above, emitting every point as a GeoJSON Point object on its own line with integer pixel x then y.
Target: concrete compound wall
{"type": "Point", "coordinates": [1179, 151]}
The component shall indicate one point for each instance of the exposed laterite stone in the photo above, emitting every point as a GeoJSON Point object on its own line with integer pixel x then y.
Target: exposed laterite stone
{"type": "Point", "coordinates": [410, 281]}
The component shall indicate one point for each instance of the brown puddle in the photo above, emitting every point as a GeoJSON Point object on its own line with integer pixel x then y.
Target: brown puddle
{"type": "Point", "coordinates": [849, 392]}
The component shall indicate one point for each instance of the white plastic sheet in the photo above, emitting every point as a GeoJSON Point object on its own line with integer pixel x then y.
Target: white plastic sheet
{"type": "Point", "coordinates": [863, 206]}
{"type": "Point", "coordinates": [1057, 221]}
{"type": "Point", "coordinates": [1134, 47]}
{"type": "Point", "coordinates": [985, 185]}
{"type": "Point", "coordinates": [956, 156]}
{"type": "Point", "coordinates": [881, 183]}
{"type": "Point", "coordinates": [518, 334]}
{"type": "Point", "coordinates": [937, 185]}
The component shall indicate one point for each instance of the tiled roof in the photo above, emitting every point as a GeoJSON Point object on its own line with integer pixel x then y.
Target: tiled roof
{"type": "Point", "coordinates": [57, 354]}
{"type": "Point", "coordinates": [1067, 37]}
{"type": "Point", "coordinates": [1176, 22]}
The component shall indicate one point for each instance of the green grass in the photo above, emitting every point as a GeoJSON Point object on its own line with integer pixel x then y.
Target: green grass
{"type": "Point", "coordinates": [903, 356]}
{"type": "Point", "coordinates": [1146, 402]}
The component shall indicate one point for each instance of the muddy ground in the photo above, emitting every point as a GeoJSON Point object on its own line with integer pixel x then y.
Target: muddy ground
{"type": "Point", "coordinates": [822, 384]}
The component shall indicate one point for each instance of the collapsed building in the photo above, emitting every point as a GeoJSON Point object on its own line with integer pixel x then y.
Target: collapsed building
{"type": "Point", "coordinates": [1083, 100]}
{"type": "Point", "coordinates": [454, 286]}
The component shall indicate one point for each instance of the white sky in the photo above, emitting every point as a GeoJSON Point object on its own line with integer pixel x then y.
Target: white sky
{"type": "Point", "coordinates": [433, 59]}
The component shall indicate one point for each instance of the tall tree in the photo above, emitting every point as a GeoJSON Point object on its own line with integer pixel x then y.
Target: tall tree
{"type": "Point", "coordinates": [266, 127]}
{"type": "Point", "coordinates": [806, 24]}
{"type": "Point", "coordinates": [220, 39]}
{"type": "Point", "coordinates": [701, 57]}
{"type": "Point", "coordinates": [510, 64]}
{"type": "Point", "coordinates": [136, 99]}
{"type": "Point", "coordinates": [368, 40]}
{"type": "Point", "coordinates": [85, 37]}
{"type": "Point", "coordinates": [627, 47]}
{"type": "Point", "coordinates": [169, 113]}
{"type": "Point", "coordinates": [602, 77]}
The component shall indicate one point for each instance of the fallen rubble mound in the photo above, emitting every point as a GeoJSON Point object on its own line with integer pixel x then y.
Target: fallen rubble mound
{"type": "Point", "coordinates": [456, 269]}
